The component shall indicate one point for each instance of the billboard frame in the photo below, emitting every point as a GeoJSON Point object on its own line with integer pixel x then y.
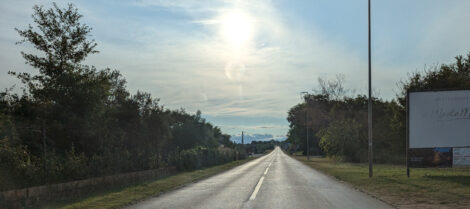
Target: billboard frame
{"type": "Point", "coordinates": [407, 138]}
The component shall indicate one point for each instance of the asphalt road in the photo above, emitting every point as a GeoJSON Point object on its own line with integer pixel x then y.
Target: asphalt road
{"type": "Point", "coordinates": [272, 181]}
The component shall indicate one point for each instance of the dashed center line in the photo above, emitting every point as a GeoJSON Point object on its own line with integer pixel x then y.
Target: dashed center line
{"type": "Point", "coordinates": [253, 196]}
{"type": "Point", "coordinates": [258, 186]}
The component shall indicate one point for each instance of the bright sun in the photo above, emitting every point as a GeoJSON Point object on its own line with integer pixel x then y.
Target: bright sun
{"type": "Point", "coordinates": [237, 27]}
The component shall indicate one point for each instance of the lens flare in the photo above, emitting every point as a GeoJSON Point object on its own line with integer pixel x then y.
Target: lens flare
{"type": "Point", "coordinates": [234, 70]}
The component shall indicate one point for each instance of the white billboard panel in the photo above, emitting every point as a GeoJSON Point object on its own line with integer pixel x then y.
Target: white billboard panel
{"type": "Point", "coordinates": [461, 157]}
{"type": "Point", "coordinates": [439, 119]}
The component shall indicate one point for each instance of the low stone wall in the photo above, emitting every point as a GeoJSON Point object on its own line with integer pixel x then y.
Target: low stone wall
{"type": "Point", "coordinates": [27, 197]}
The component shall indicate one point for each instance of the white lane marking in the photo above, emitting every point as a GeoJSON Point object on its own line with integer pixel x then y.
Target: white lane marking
{"type": "Point", "coordinates": [253, 196]}
{"type": "Point", "coordinates": [255, 192]}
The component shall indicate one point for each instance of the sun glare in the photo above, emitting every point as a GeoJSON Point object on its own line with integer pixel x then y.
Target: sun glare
{"type": "Point", "coordinates": [237, 27]}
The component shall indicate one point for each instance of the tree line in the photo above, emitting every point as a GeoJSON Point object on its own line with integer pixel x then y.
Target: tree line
{"type": "Point", "coordinates": [261, 147]}
{"type": "Point", "coordinates": [337, 122]}
{"type": "Point", "coordinates": [72, 121]}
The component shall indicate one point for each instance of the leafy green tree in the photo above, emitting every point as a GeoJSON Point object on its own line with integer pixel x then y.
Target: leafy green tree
{"type": "Point", "coordinates": [446, 76]}
{"type": "Point", "coordinates": [62, 39]}
{"type": "Point", "coordinates": [64, 93]}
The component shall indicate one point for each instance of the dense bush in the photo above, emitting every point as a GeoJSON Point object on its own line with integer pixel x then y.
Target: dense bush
{"type": "Point", "coordinates": [200, 157]}
{"type": "Point", "coordinates": [345, 138]}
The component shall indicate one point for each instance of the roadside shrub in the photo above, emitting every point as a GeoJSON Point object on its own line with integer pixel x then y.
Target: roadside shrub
{"type": "Point", "coordinates": [201, 157]}
{"type": "Point", "coordinates": [346, 139]}
{"type": "Point", "coordinates": [75, 165]}
{"type": "Point", "coordinates": [17, 166]}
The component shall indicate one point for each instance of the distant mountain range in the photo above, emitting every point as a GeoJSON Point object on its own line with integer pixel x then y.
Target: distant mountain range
{"type": "Point", "coordinates": [256, 137]}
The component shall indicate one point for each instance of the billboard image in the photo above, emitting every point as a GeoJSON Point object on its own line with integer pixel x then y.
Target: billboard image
{"type": "Point", "coordinates": [439, 119]}
{"type": "Point", "coordinates": [430, 157]}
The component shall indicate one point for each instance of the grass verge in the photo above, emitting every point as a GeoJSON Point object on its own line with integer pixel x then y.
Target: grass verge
{"type": "Point", "coordinates": [426, 187]}
{"type": "Point", "coordinates": [125, 196]}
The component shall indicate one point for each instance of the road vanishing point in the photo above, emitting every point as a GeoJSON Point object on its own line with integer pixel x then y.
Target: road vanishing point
{"type": "Point", "coordinates": [272, 181]}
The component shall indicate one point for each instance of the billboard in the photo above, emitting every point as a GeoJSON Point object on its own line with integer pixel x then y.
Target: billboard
{"type": "Point", "coordinates": [461, 156]}
{"type": "Point", "coordinates": [439, 119]}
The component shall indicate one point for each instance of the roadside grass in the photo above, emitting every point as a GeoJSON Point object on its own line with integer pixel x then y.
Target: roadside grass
{"type": "Point", "coordinates": [426, 187]}
{"type": "Point", "coordinates": [267, 151]}
{"type": "Point", "coordinates": [299, 153]}
{"type": "Point", "coordinates": [118, 198]}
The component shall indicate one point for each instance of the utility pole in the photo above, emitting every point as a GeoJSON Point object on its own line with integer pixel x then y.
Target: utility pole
{"type": "Point", "coordinates": [242, 137]}
{"type": "Point", "coordinates": [44, 149]}
{"type": "Point", "coordinates": [306, 122]}
{"type": "Point", "coordinates": [370, 102]}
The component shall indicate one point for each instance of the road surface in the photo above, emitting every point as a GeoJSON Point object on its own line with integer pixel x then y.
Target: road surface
{"type": "Point", "coordinates": [272, 181]}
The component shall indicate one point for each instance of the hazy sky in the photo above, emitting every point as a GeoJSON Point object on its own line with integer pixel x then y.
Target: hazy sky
{"type": "Point", "coordinates": [244, 63]}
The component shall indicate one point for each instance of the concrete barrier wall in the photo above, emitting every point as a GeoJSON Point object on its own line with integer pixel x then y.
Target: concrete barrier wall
{"type": "Point", "coordinates": [27, 197]}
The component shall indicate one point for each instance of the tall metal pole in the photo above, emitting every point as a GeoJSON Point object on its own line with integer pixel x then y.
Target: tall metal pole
{"type": "Point", "coordinates": [407, 142]}
{"type": "Point", "coordinates": [370, 103]}
{"type": "Point", "coordinates": [306, 124]}
{"type": "Point", "coordinates": [242, 138]}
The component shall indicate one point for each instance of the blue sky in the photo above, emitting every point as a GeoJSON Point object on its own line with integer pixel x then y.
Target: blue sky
{"type": "Point", "coordinates": [244, 63]}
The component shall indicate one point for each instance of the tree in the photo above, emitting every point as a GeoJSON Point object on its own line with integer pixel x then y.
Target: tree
{"type": "Point", "coordinates": [333, 88]}
{"type": "Point", "coordinates": [62, 39]}
{"type": "Point", "coordinates": [336, 124]}
{"type": "Point", "coordinates": [65, 94]}
{"type": "Point", "coordinates": [446, 76]}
